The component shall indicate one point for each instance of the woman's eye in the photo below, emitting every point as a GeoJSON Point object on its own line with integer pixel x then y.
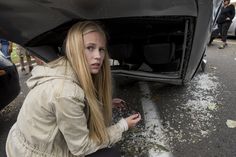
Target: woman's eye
{"type": "Point", "coordinates": [102, 50]}
{"type": "Point", "coordinates": [90, 48]}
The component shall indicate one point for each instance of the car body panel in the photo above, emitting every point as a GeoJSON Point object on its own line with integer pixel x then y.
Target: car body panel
{"type": "Point", "coordinates": [30, 18]}
{"type": "Point", "coordinates": [41, 26]}
{"type": "Point", "coordinates": [9, 81]}
{"type": "Point", "coordinates": [232, 28]}
{"type": "Point", "coordinates": [202, 31]}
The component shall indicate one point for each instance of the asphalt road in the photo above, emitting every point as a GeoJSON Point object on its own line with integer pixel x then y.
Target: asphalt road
{"type": "Point", "coordinates": [192, 118]}
{"type": "Point", "coordinates": [195, 116]}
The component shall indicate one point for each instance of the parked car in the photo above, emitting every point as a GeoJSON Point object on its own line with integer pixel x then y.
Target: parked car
{"type": "Point", "coordinates": [152, 40]}
{"type": "Point", "coordinates": [232, 28]}
{"type": "Point", "coordinates": [9, 81]}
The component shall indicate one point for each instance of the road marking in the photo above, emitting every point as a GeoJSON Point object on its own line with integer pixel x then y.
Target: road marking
{"type": "Point", "coordinates": [153, 123]}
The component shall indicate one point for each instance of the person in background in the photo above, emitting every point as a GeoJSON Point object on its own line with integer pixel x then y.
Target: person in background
{"type": "Point", "coordinates": [68, 111]}
{"type": "Point", "coordinates": [22, 53]}
{"type": "Point", "coordinates": [6, 48]}
{"type": "Point", "coordinates": [223, 23]}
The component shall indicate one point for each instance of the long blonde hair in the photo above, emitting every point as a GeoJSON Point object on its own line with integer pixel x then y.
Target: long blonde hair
{"type": "Point", "coordinates": [97, 88]}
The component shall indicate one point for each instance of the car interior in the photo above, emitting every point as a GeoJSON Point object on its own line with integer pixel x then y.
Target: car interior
{"type": "Point", "coordinates": [151, 45]}
{"type": "Point", "coordinates": [156, 45]}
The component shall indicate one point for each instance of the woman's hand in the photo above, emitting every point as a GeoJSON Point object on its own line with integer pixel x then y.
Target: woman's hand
{"type": "Point", "coordinates": [133, 120]}
{"type": "Point", "coordinates": [118, 103]}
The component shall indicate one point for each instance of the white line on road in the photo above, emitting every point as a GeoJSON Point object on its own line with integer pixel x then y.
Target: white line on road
{"type": "Point", "coordinates": [155, 133]}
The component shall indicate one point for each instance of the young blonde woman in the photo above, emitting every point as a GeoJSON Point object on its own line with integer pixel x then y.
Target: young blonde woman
{"type": "Point", "coordinates": [68, 110]}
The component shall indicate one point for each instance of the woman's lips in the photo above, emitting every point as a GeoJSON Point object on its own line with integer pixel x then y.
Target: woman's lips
{"type": "Point", "coordinates": [95, 66]}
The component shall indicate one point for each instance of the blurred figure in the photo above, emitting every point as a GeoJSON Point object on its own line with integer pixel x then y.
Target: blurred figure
{"type": "Point", "coordinates": [22, 53]}
{"type": "Point", "coordinates": [223, 22]}
{"type": "Point", "coordinates": [6, 48]}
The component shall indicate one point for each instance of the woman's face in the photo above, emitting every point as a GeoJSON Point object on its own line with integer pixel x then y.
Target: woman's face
{"type": "Point", "coordinates": [226, 2]}
{"type": "Point", "coordinates": [95, 49]}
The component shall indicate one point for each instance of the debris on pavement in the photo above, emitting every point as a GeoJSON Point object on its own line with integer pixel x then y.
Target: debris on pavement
{"type": "Point", "coordinates": [138, 141]}
{"type": "Point", "coordinates": [212, 106]}
{"type": "Point", "coordinates": [231, 123]}
{"type": "Point", "coordinates": [199, 106]}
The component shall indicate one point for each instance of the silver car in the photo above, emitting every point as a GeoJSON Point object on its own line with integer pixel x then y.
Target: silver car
{"type": "Point", "coordinates": [232, 28]}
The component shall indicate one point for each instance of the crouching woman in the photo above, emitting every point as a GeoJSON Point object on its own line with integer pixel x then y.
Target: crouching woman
{"type": "Point", "coordinates": [68, 110]}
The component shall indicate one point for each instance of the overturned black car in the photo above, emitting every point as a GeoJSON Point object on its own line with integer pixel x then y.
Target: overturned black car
{"type": "Point", "coordinates": [153, 40]}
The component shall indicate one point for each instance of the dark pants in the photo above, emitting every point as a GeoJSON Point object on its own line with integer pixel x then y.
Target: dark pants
{"type": "Point", "coordinates": [106, 152]}
{"type": "Point", "coordinates": [222, 30]}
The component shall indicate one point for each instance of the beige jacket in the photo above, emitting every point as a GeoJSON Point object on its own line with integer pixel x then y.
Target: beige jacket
{"type": "Point", "coordinates": [52, 122]}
